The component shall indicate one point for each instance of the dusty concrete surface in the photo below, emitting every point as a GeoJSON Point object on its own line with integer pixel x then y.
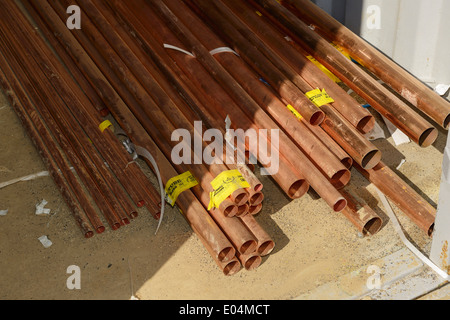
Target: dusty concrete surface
{"type": "Point", "coordinates": [313, 245]}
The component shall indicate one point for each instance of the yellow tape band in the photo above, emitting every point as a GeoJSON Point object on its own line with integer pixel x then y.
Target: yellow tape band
{"type": "Point", "coordinates": [294, 112]}
{"type": "Point", "coordinates": [177, 185]}
{"type": "Point", "coordinates": [319, 98]}
{"type": "Point", "coordinates": [224, 185]}
{"type": "Point", "coordinates": [324, 70]}
{"type": "Point", "coordinates": [105, 125]}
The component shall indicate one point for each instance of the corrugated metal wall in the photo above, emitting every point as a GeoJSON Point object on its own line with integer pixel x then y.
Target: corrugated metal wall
{"type": "Point", "coordinates": [414, 33]}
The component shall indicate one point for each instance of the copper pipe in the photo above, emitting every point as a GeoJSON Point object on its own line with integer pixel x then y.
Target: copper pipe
{"type": "Point", "coordinates": [408, 86]}
{"type": "Point", "coordinates": [318, 153]}
{"type": "Point", "coordinates": [82, 211]}
{"type": "Point", "coordinates": [250, 261]}
{"type": "Point", "coordinates": [189, 206]}
{"type": "Point", "coordinates": [358, 212]}
{"type": "Point", "coordinates": [242, 210]}
{"type": "Point", "coordinates": [295, 157]}
{"type": "Point", "coordinates": [126, 171]}
{"type": "Point", "coordinates": [379, 97]}
{"type": "Point", "coordinates": [295, 65]}
{"type": "Point", "coordinates": [403, 196]}
{"type": "Point", "coordinates": [106, 202]}
{"type": "Point", "coordinates": [256, 198]}
{"type": "Point", "coordinates": [293, 184]}
{"type": "Point", "coordinates": [265, 242]}
{"type": "Point", "coordinates": [353, 142]}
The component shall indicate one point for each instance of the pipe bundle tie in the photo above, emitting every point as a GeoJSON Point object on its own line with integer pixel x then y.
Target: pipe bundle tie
{"type": "Point", "coordinates": [224, 185]}
{"type": "Point", "coordinates": [179, 184]}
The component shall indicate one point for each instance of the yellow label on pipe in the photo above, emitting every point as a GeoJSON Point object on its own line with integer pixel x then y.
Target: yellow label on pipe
{"type": "Point", "coordinates": [294, 112]}
{"type": "Point", "coordinates": [224, 185]}
{"type": "Point", "coordinates": [105, 125]}
{"type": "Point", "coordinates": [319, 98]}
{"type": "Point", "coordinates": [177, 185]}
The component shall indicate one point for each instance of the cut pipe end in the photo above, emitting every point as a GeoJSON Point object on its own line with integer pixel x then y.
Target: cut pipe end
{"type": "Point", "coordinates": [239, 197]}
{"type": "Point", "coordinates": [341, 178]}
{"type": "Point", "coordinates": [298, 189]}
{"type": "Point", "coordinates": [89, 234]}
{"type": "Point", "coordinates": [242, 210]}
{"type": "Point", "coordinates": [317, 118]}
{"type": "Point", "coordinates": [100, 229]}
{"type": "Point", "coordinates": [231, 268]}
{"type": "Point", "coordinates": [428, 137]}
{"type": "Point", "coordinates": [226, 254]}
{"type": "Point", "coordinates": [254, 210]}
{"type": "Point", "coordinates": [228, 208]}
{"type": "Point", "coordinates": [347, 162]}
{"type": "Point", "coordinates": [340, 205]}
{"type": "Point", "coordinates": [256, 199]}
{"type": "Point", "coordinates": [366, 124]}
{"type": "Point", "coordinates": [266, 247]}
{"type": "Point", "coordinates": [371, 159]}
{"type": "Point", "coordinates": [372, 226]}
{"type": "Point", "coordinates": [253, 262]}
{"type": "Point", "coordinates": [248, 247]}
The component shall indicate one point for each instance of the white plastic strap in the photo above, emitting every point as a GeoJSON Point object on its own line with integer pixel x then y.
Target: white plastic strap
{"type": "Point", "coordinates": [408, 244]}
{"type": "Point", "coordinates": [26, 178]}
{"type": "Point", "coordinates": [169, 46]}
{"type": "Point", "coordinates": [223, 49]}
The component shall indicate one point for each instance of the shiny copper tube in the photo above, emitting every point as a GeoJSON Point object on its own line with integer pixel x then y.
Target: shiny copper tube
{"type": "Point", "coordinates": [380, 98]}
{"type": "Point", "coordinates": [408, 86]}
{"type": "Point", "coordinates": [288, 178]}
{"type": "Point", "coordinates": [294, 64]}
{"type": "Point", "coordinates": [250, 261]}
{"type": "Point", "coordinates": [254, 210]}
{"type": "Point", "coordinates": [402, 195]}
{"type": "Point", "coordinates": [262, 120]}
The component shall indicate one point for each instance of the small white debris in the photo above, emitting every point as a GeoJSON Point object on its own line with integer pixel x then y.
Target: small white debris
{"type": "Point", "coordinates": [45, 241]}
{"type": "Point", "coordinates": [401, 163]}
{"type": "Point", "coordinates": [40, 210]}
{"type": "Point", "coordinates": [442, 89]}
{"type": "Point", "coordinates": [3, 212]}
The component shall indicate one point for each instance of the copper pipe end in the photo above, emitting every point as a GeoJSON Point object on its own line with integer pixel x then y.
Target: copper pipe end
{"type": "Point", "coordinates": [100, 229]}
{"type": "Point", "coordinates": [428, 137]}
{"type": "Point", "coordinates": [157, 215]}
{"type": "Point", "coordinates": [228, 208]}
{"type": "Point", "coordinates": [248, 247]}
{"type": "Point", "coordinates": [104, 112]}
{"type": "Point", "coordinates": [140, 203]}
{"type": "Point", "coordinates": [340, 205]}
{"type": "Point", "coordinates": [239, 197]}
{"type": "Point", "coordinates": [266, 247]}
{"type": "Point", "coordinates": [371, 159]}
{"type": "Point", "coordinates": [89, 234]}
{"type": "Point", "coordinates": [254, 210]}
{"type": "Point", "coordinates": [133, 215]}
{"type": "Point", "coordinates": [372, 226]}
{"type": "Point", "coordinates": [256, 199]}
{"type": "Point", "coordinates": [242, 210]}
{"type": "Point", "coordinates": [252, 262]}
{"type": "Point", "coordinates": [227, 254]}
{"type": "Point", "coordinates": [341, 178]}
{"type": "Point", "coordinates": [298, 189]}
{"type": "Point", "coordinates": [347, 162]}
{"type": "Point", "coordinates": [124, 221]}
{"type": "Point", "coordinates": [231, 267]}
{"type": "Point", "coordinates": [430, 230]}
{"type": "Point", "coordinates": [366, 124]}
{"type": "Point", "coordinates": [317, 118]}
{"type": "Point", "coordinates": [115, 226]}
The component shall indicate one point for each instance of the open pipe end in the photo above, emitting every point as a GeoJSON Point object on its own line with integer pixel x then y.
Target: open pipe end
{"type": "Point", "coordinates": [317, 118]}
{"type": "Point", "coordinates": [428, 137]}
{"type": "Point", "coordinates": [341, 178]}
{"type": "Point", "coordinates": [372, 226]}
{"type": "Point", "coordinates": [254, 210]}
{"type": "Point", "coordinates": [242, 210]}
{"type": "Point", "coordinates": [115, 226]}
{"type": "Point", "coordinates": [446, 123]}
{"type": "Point", "coordinates": [347, 162]}
{"type": "Point", "coordinates": [228, 208]}
{"type": "Point", "coordinates": [340, 205]}
{"type": "Point", "coordinates": [226, 254]}
{"type": "Point", "coordinates": [266, 247]}
{"type": "Point", "coordinates": [89, 234]}
{"type": "Point", "coordinates": [256, 199]}
{"type": "Point", "coordinates": [258, 187]}
{"type": "Point", "coordinates": [100, 229]}
{"type": "Point", "coordinates": [239, 197]}
{"type": "Point", "coordinates": [248, 247]}
{"type": "Point", "coordinates": [430, 230]}
{"type": "Point", "coordinates": [231, 268]}
{"type": "Point", "coordinates": [371, 159]}
{"type": "Point", "coordinates": [366, 124]}
{"type": "Point", "coordinates": [298, 189]}
{"type": "Point", "coordinates": [252, 262]}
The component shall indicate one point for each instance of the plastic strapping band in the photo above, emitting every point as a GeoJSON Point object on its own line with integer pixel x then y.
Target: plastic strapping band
{"type": "Point", "coordinates": [223, 49]}
{"type": "Point", "coordinates": [408, 244]}
{"type": "Point", "coordinates": [169, 46]}
{"type": "Point", "coordinates": [105, 125]}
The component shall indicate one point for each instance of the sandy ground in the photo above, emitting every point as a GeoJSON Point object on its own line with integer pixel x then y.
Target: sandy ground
{"type": "Point", "coordinates": [313, 245]}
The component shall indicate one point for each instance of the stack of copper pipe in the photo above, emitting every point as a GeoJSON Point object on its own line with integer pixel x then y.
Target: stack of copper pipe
{"type": "Point", "coordinates": [162, 65]}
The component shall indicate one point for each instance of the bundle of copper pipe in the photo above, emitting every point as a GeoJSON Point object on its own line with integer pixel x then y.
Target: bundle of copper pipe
{"type": "Point", "coordinates": [118, 64]}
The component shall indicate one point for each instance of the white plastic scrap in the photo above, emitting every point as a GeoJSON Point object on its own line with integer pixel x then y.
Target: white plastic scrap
{"type": "Point", "coordinates": [40, 210]}
{"type": "Point", "coordinates": [45, 241]}
{"type": "Point", "coordinates": [3, 212]}
{"type": "Point", "coordinates": [442, 89]}
{"type": "Point", "coordinates": [376, 133]}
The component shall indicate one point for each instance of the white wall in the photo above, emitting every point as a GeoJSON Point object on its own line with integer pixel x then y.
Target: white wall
{"type": "Point", "coordinates": [414, 33]}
